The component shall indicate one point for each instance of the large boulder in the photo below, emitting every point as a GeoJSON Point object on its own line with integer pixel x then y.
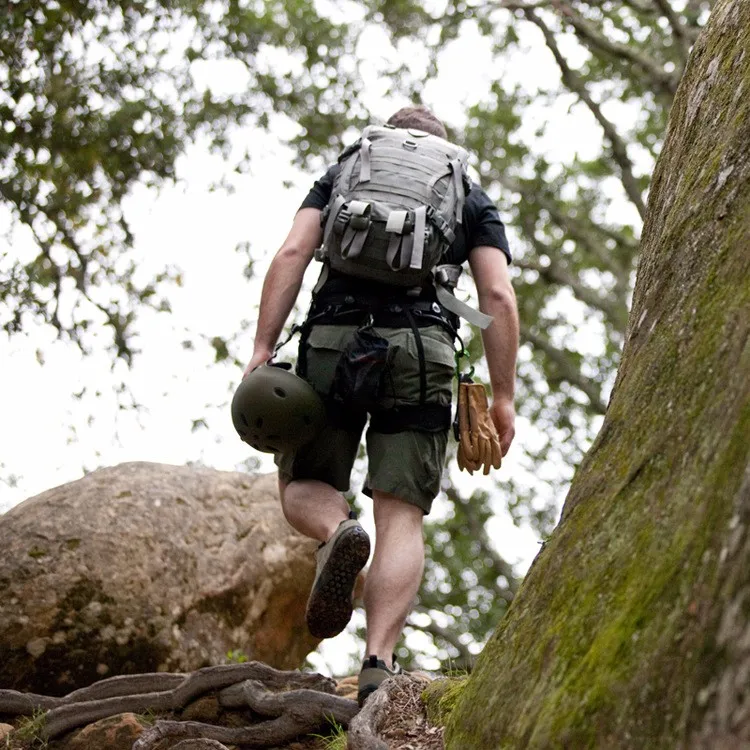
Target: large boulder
{"type": "Point", "coordinates": [147, 567]}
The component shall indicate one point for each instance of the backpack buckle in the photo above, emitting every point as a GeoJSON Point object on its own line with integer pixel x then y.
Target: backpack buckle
{"type": "Point", "coordinates": [360, 223]}
{"type": "Point", "coordinates": [358, 215]}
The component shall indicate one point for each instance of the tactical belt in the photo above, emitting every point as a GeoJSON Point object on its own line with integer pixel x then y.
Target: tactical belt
{"type": "Point", "coordinates": [416, 314]}
{"type": "Point", "coordinates": [348, 310]}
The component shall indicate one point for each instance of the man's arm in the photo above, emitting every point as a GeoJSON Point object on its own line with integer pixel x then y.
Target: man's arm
{"type": "Point", "coordinates": [496, 298]}
{"type": "Point", "coordinates": [283, 282]}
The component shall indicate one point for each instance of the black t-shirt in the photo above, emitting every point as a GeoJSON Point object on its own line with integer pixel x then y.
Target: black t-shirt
{"type": "Point", "coordinates": [481, 225]}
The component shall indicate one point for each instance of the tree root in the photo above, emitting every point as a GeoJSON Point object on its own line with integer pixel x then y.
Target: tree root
{"type": "Point", "coordinates": [308, 700]}
{"type": "Point", "coordinates": [294, 713]}
{"type": "Point", "coordinates": [366, 727]}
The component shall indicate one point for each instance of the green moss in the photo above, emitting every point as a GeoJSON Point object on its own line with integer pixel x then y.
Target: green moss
{"type": "Point", "coordinates": [440, 698]}
{"type": "Point", "coordinates": [37, 552]}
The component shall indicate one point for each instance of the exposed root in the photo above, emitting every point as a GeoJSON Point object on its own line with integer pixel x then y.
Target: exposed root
{"type": "Point", "coordinates": [293, 713]}
{"type": "Point", "coordinates": [238, 686]}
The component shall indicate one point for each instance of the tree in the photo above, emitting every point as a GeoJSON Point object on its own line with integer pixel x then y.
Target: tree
{"type": "Point", "coordinates": [101, 95]}
{"type": "Point", "coordinates": [628, 630]}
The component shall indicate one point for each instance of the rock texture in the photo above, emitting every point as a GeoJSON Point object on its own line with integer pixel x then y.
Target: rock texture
{"type": "Point", "coordinates": [147, 567]}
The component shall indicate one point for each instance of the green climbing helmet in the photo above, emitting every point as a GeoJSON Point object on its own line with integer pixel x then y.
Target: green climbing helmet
{"type": "Point", "coordinates": [273, 410]}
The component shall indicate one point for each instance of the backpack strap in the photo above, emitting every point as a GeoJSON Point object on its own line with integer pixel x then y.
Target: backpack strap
{"type": "Point", "coordinates": [365, 162]}
{"type": "Point", "coordinates": [357, 229]}
{"type": "Point", "coordinates": [420, 226]}
{"type": "Point", "coordinates": [333, 211]}
{"type": "Point", "coordinates": [457, 168]}
{"type": "Point", "coordinates": [445, 277]}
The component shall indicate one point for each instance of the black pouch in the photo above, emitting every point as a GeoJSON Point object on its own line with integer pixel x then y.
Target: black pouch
{"type": "Point", "coordinates": [359, 376]}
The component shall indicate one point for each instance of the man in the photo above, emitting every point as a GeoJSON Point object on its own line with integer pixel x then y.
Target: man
{"type": "Point", "coordinates": [405, 458]}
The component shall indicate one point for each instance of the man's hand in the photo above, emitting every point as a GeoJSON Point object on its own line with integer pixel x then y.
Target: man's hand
{"type": "Point", "coordinates": [504, 416]}
{"type": "Point", "coordinates": [257, 360]}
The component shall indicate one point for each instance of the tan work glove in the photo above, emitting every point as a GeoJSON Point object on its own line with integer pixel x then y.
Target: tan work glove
{"type": "Point", "coordinates": [467, 453]}
{"type": "Point", "coordinates": [479, 444]}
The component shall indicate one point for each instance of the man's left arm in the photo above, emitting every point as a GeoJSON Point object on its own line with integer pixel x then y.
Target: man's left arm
{"type": "Point", "coordinates": [283, 282]}
{"type": "Point", "coordinates": [489, 267]}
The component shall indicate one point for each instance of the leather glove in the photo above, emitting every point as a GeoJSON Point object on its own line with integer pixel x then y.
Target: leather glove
{"type": "Point", "coordinates": [479, 443]}
{"type": "Point", "coordinates": [467, 451]}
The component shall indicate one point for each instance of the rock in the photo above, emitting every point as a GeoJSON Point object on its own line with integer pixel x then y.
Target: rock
{"type": "Point", "coordinates": [5, 730]}
{"type": "Point", "coordinates": [115, 733]}
{"type": "Point", "coordinates": [148, 567]}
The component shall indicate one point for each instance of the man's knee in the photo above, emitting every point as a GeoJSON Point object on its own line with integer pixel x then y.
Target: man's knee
{"type": "Point", "coordinates": [388, 508]}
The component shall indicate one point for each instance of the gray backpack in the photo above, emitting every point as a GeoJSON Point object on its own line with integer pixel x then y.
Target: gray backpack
{"type": "Point", "coordinates": [393, 211]}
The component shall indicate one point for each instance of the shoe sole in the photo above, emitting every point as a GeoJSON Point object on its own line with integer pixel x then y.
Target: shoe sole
{"type": "Point", "coordinates": [330, 606]}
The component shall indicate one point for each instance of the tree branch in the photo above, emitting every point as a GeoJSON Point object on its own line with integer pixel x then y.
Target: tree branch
{"type": "Point", "coordinates": [555, 274]}
{"type": "Point", "coordinates": [575, 228]}
{"type": "Point", "coordinates": [659, 77]}
{"type": "Point", "coordinates": [501, 567]}
{"type": "Point", "coordinates": [574, 82]}
{"type": "Point", "coordinates": [567, 372]}
{"type": "Point", "coordinates": [679, 31]}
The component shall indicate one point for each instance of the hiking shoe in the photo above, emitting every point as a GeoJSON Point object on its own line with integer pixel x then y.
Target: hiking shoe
{"type": "Point", "coordinates": [340, 559]}
{"type": "Point", "coordinates": [373, 673]}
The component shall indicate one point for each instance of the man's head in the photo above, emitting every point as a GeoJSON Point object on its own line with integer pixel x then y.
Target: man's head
{"type": "Point", "coordinates": [420, 118]}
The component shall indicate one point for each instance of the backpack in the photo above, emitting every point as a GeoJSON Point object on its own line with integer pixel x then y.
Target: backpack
{"type": "Point", "coordinates": [394, 206]}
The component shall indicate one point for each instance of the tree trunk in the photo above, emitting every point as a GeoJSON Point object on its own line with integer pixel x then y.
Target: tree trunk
{"type": "Point", "coordinates": [631, 629]}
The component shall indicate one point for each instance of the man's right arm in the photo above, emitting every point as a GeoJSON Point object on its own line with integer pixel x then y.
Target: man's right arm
{"type": "Point", "coordinates": [497, 298]}
{"type": "Point", "coordinates": [283, 281]}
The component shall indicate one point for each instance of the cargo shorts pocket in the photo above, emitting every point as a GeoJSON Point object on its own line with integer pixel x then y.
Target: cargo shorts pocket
{"type": "Point", "coordinates": [439, 366]}
{"type": "Point", "coordinates": [323, 349]}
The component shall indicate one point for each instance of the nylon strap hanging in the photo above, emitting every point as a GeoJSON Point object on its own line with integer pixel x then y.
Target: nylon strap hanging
{"type": "Point", "coordinates": [395, 226]}
{"type": "Point", "coordinates": [333, 213]}
{"type": "Point", "coordinates": [449, 302]}
{"type": "Point", "coordinates": [420, 354]}
{"type": "Point", "coordinates": [352, 242]}
{"type": "Point", "coordinates": [399, 251]}
{"type": "Point", "coordinates": [457, 169]}
{"type": "Point", "coordinates": [365, 162]}
{"type": "Point", "coordinates": [357, 229]}
{"type": "Point", "coordinates": [420, 225]}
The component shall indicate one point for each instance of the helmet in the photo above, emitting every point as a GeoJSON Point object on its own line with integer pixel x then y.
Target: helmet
{"type": "Point", "coordinates": [274, 410]}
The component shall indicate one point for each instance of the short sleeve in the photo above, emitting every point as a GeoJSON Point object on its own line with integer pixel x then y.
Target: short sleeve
{"type": "Point", "coordinates": [320, 192]}
{"type": "Point", "coordinates": [484, 225]}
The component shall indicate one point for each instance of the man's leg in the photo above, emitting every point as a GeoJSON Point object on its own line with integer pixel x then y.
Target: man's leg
{"type": "Point", "coordinates": [319, 511]}
{"type": "Point", "coordinates": [395, 572]}
{"type": "Point", "coordinates": [313, 508]}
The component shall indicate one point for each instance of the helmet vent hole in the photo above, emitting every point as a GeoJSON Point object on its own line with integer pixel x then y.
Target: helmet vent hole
{"type": "Point", "coordinates": [259, 422]}
{"type": "Point", "coordinates": [307, 420]}
{"type": "Point", "coordinates": [244, 420]}
{"type": "Point", "coordinates": [280, 392]}
{"type": "Point", "coordinates": [272, 438]}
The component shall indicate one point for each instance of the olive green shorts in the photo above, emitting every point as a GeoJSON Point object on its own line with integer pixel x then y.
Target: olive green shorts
{"type": "Point", "coordinates": [407, 464]}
